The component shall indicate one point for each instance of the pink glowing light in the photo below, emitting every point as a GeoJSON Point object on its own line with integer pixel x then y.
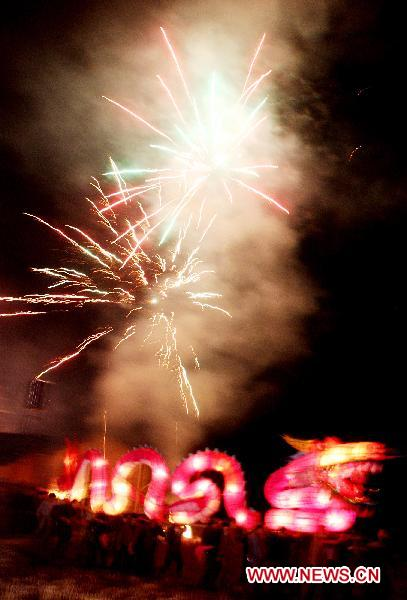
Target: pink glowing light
{"type": "Point", "coordinates": [301, 492]}
{"type": "Point", "coordinates": [234, 496]}
{"type": "Point", "coordinates": [92, 479]}
{"type": "Point", "coordinates": [339, 520]}
{"type": "Point", "coordinates": [276, 519]}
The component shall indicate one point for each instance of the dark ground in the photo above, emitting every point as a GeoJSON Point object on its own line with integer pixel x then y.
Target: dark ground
{"type": "Point", "coordinates": [21, 579]}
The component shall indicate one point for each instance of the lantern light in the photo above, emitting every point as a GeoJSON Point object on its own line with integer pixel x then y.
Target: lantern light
{"type": "Point", "coordinates": [160, 473]}
{"type": "Point", "coordinates": [98, 484]}
{"type": "Point", "coordinates": [241, 517]}
{"type": "Point", "coordinates": [198, 462]}
{"type": "Point", "coordinates": [122, 488]}
{"type": "Point", "coordinates": [124, 470]}
{"type": "Point", "coordinates": [203, 485]}
{"type": "Point", "coordinates": [323, 498]}
{"type": "Point", "coordinates": [335, 455]}
{"type": "Point", "coordinates": [233, 488]}
{"type": "Point", "coordinates": [187, 533]}
{"type": "Point", "coordinates": [279, 519]}
{"type": "Point", "coordinates": [300, 492]}
{"type": "Point", "coordinates": [178, 486]}
{"type": "Point", "coordinates": [306, 523]}
{"type": "Point", "coordinates": [339, 520]}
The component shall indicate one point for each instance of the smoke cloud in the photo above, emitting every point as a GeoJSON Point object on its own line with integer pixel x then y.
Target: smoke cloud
{"type": "Point", "coordinates": [67, 137]}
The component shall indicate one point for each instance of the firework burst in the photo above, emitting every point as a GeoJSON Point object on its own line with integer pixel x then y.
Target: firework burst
{"type": "Point", "coordinates": [134, 256]}
{"type": "Point", "coordinates": [202, 155]}
{"type": "Point", "coordinates": [137, 280]}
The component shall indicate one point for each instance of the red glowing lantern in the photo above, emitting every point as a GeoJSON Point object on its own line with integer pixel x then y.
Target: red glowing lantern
{"type": "Point", "coordinates": [91, 479]}
{"type": "Point", "coordinates": [91, 476]}
{"type": "Point", "coordinates": [318, 490]}
{"type": "Point", "coordinates": [315, 491]}
{"type": "Point", "coordinates": [201, 498]}
{"type": "Point", "coordinates": [154, 501]}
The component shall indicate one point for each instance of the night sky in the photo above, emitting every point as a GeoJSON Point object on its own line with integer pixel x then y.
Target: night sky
{"type": "Point", "coordinates": [352, 234]}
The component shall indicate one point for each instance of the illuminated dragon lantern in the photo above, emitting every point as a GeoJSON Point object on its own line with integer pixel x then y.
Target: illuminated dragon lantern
{"type": "Point", "coordinates": [325, 487]}
{"type": "Point", "coordinates": [199, 497]}
{"type": "Point", "coordinates": [113, 494]}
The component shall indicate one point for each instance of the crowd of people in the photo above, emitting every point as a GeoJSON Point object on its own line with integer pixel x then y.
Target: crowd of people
{"type": "Point", "coordinates": [134, 543]}
{"type": "Point", "coordinates": [212, 555]}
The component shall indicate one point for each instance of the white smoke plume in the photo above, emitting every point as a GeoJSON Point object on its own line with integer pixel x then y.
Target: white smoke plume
{"type": "Point", "coordinates": [252, 248]}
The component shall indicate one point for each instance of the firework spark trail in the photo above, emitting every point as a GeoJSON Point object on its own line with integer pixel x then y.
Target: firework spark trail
{"type": "Point", "coordinates": [138, 118]}
{"type": "Point", "coordinates": [24, 313]}
{"type": "Point", "coordinates": [171, 97]}
{"type": "Point", "coordinates": [181, 75]}
{"type": "Point", "coordinates": [77, 299]}
{"type": "Point", "coordinates": [129, 278]}
{"type": "Point", "coordinates": [254, 86]}
{"type": "Point", "coordinates": [169, 357]}
{"type": "Point", "coordinates": [59, 361]}
{"type": "Point", "coordinates": [259, 193]}
{"type": "Point", "coordinates": [203, 151]}
{"type": "Point", "coordinates": [253, 62]}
